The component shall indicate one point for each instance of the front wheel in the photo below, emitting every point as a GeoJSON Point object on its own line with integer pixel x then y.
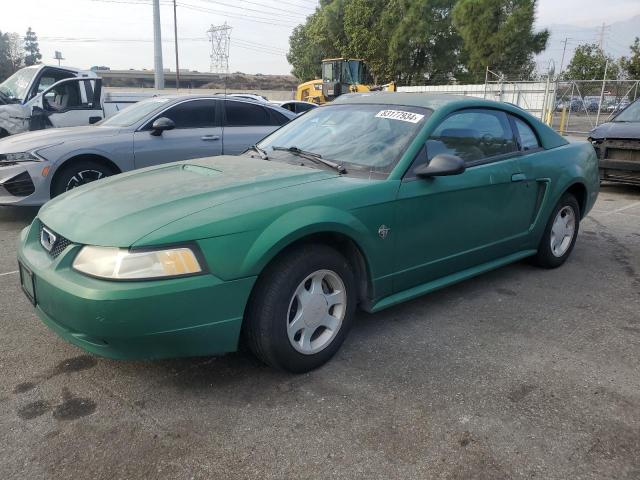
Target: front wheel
{"type": "Point", "coordinates": [301, 309]}
{"type": "Point", "coordinates": [560, 233]}
{"type": "Point", "coordinates": [77, 174]}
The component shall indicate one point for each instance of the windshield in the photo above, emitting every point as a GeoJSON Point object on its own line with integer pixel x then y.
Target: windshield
{"type": "Point", "coordinates": [630, 114]}
{"type": "Point", "coordinates": [15, 87]}
{"type": "Point", "coordinates": [368, 137]}
{"type": "Point", "coordinates": [136, 112]}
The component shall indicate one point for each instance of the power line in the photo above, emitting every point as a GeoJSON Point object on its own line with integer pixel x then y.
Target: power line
{"type": "Point", "coordinates": [247, 9]}
{"type": "Point", "coordinates": [288, 12]}
{"type": "Point", "coordinates": [251, 18]}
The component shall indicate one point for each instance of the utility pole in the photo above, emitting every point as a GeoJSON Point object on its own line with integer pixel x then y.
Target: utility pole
{"type": "Point", "coordinates": [157, 47]}
{"type": "Point", "coordinates": [175, 35]}
{"type": "Point", "coordinates": [604, 83]}
{"type": "Point", "coordinates": [564, 50]}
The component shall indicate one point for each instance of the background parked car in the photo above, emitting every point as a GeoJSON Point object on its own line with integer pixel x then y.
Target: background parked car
{"type": "Point", "coordinates": [296, 106]}
{"type": "Point", "coordinates": [37, 166]}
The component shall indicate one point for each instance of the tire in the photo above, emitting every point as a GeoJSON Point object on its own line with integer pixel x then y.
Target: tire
{"type": "Point", "coordinates": [553, 252]}
{"type": "Point", "coordinates": [276, 309]}
{"type": "Point", "coordinates": [3, 133]}
{"type": "Point", "coordinates": [78, 173]}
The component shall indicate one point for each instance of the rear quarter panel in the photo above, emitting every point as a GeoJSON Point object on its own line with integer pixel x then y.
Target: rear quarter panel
{"type": "Point", "coordinates": [560, 169]}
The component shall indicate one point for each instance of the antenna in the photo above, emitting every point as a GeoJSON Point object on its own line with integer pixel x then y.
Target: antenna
{"type": "Point", "coordinates": [220, 38]}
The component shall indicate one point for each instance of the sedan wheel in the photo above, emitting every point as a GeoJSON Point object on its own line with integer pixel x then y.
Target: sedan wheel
{"type": "Point", "coordinates": [78, 173]}
{"type": "Point", "coordinates": [82, 177]}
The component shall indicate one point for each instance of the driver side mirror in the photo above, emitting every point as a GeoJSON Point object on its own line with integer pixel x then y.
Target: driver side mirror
{"type": "Point", "coordinates": [441, 165]}
{"type": "Point", "coordinates": [160, 125]}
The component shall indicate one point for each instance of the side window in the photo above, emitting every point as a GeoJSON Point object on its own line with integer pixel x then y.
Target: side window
{"type": "Point", "coordinates": [528, 139]}
{"type": "Point", "coordinates": [277, 118]}
{"type": "Point", "coordinates": [242, 114]}
{"type": "Point", "coordinates": [192, 114]}
{"type": "Point", "coordinates": [303, 107]}
{"type": "Point", "coordinates": [473, 135]}
{"type": "Point", "coordinates": [66, 96]}
{"type": "Point", "coordinates": [48, 78]}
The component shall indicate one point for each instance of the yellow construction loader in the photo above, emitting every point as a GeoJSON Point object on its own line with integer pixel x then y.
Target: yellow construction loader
{"type": "Point", "coordinates": [339, 75]}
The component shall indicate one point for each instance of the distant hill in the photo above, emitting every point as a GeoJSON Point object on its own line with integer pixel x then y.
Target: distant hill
{"type": "Point", "coordinates": [618, 37]}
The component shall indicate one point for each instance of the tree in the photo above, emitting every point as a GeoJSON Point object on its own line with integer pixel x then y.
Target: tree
{"type": "Point", "coordinates": [589, 62]}
{"type": "Point", "coordinates": [32, 48]}
{"type": "Point", "coordinates": [424, 46]}
{"type": "Point", "coordinates": [5, 62]}
{"type": "Point", "coordinates": [631, 65]}
{"type": "Point", "coordinates": [499, 34]}
{"type": "Point", "coordinates": [412, 41]}
{"type": "Point", "coordinates": [15, 51]}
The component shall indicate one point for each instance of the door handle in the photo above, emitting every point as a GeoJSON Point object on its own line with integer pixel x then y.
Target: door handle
{"type": "Point", "coordinates": [210, 138]}
{"type": "Point", "coordinates": [518, 177]}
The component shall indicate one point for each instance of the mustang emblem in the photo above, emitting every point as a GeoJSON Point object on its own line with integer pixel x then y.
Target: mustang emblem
{"type": "Point", "coordinates": [47, 239]}
{"type": "Point", "coordinates": [383, 231]}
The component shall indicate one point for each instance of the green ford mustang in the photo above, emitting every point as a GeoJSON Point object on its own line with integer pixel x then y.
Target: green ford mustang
{"type": "Point", "coordinates": [367, 202]}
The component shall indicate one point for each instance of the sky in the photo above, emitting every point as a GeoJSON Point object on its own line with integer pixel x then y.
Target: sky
{"type": "Point", "coordinates": [119, 33]}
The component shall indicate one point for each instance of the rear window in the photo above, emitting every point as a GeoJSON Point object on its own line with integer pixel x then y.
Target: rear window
{"type": "Point", "coordinates": [193, 114]}
{"type": "Point", "coordinates": [528, 139]}
{"type": "Point", "coordinates": [244, 114]}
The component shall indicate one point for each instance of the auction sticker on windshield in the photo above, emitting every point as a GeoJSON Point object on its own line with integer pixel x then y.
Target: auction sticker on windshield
{"type": "Point", "coordinates": [400, 115]}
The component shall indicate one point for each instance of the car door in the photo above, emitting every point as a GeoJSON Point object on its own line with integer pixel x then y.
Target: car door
{"type": "Point", "coordinates": [246, 123]}
{"type": "Point", "coordinates": [451, 223]}
{"type": "Point", "coordinates": [71, 102]}
{"type": "Point", "coordinates": [197, 133]}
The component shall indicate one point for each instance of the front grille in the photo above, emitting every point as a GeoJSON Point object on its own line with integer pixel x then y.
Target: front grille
{"type": "Point", "coordinates": [20, 185]}
{"type": "Point", "coordinates": [58, 246]}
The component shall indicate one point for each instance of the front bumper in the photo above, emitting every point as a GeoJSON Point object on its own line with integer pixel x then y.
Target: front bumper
{"type": "Point", "coordinates": [193, 316]}
{"type": "Point", "coordinates": [36, 196]}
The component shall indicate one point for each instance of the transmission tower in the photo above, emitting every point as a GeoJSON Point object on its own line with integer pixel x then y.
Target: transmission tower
{"type": "Point", "coordinates": [220, 38]}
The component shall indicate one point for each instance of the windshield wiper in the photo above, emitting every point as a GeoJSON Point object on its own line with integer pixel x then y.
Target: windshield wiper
{"type": "Point", "coordinates": [261, 152]}
{"type": "Point", "coordinates": [314, 157]}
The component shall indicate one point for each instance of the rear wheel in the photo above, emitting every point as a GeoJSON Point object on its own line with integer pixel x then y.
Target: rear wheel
{"type": "Point", "coordinates": [560, 233]}
{"type": "Point", "coordinates": [77, 174]}
{"type": "Point", "coordinates": [301, 309]}
{"type": "Point", "coordinates": [3, 133]}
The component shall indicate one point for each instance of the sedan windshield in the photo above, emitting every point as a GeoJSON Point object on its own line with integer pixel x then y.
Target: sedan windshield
{"type": "Point", "coordinates": [629, 114]}
{"type": "Point", "coordinates": [136, 112]}
{"type": "Point", "coordinates": [371, 137]}
{"type": "Point", "coordinates": [15, 87]}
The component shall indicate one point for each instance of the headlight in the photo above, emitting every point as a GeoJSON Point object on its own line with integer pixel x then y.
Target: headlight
{"type": "Point", "coordinates": [122, 264]}
{"type": "Point", "coordinates": [20, 157]}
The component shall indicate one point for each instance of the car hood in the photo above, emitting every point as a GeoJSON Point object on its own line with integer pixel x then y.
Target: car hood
{"type": "Point", "coordinates": [24, 142]}
{"type": "Point", "coordinates": [119, 210]}
{"type": "Point", "coordinates": [627, 130]}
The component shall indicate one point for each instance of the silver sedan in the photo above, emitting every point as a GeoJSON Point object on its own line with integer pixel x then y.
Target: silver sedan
{"type": "Point", "coordinates": [37, 166]}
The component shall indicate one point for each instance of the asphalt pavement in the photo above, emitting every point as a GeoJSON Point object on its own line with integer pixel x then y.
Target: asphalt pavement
{"type": "Point", "coordinates": [519, 373]}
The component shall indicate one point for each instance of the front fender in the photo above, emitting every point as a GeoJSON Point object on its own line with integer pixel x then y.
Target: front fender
{"type": "Point", "coordinates": [297, 224]}
{"type": "Point", "coordinates": [14, 118]}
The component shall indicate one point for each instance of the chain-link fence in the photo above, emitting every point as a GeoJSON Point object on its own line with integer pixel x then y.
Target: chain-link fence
{"type": "Point", "coordinates": [571, 106]}
{"type": "Point", "coordinates": [579, 106]}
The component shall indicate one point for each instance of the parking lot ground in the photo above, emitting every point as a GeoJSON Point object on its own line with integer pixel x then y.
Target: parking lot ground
{"type": "Point", "coordinates": [519, 373]}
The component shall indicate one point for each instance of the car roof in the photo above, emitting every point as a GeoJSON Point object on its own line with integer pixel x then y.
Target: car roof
{"type": "Point", "coordinates": [176, 98]}
{"type": "Point", "coordinates": [433, 101]}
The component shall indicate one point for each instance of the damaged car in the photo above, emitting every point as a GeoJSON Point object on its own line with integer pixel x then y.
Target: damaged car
{"type": "Point", "coordinates": [43, 96]}
{"type": "Point", "coordinates": [617, 145]}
